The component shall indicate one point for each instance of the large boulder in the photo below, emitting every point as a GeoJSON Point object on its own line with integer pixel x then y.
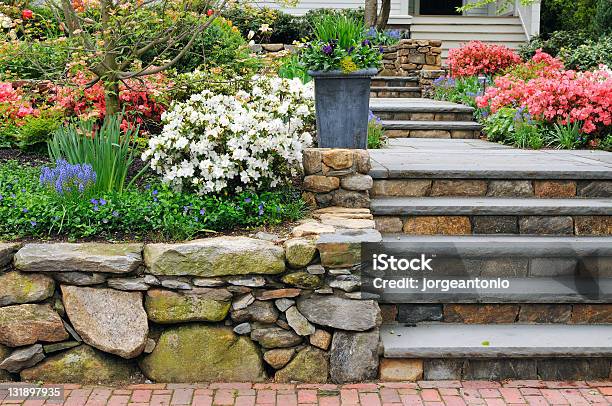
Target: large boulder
{"type": "Point", "coordinates": [28, 323]}
{"type": "Point", "coordinates": [215, 257]}
{"type": "Point", "coordinates": [340, 313]}
{"type": "Point", "coordinates": [354, 356]}
{"type": "Point", "coordinates": [201, 353]}
{"type": "Point", "coordinates": [199, 304]}
{"type": "Point", "coordinates": [83, 365]}
{"type": "Point", "coordinates": [309, 365]}
{"type": "Point", "coordinates": [18, 288]}
{"type": "Point", "coordinates": [84, 257]}
{"type": "Point", "coordinates": [111, 320]}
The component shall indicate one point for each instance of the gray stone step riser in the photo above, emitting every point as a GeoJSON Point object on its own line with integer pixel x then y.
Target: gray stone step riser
{"type": "Point", "coordinates": [496, 369]}
{"type": "Point", "coordinates": [423, 116]}
{"type": "Point", "coordinates": [491, 188]}
{"type": "Point", "coordinates": [404, 313]}
{"type": "Point", "coordinates": [405, 82]}
{"type": "Point", "coordinates": [386, 93]}
{"type": "Point", "coordinates": [452, 224]}
{"type": "Point", "coordinates": [444, 134]}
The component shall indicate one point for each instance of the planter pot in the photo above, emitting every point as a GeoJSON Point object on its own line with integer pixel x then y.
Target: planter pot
{"type": "Point", "coordinates": [342, 101]}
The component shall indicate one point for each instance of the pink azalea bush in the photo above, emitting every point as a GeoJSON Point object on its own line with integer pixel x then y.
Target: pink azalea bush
{"type": "Point", "coordinates": [14, 106]}
{"type": "Point", "coordinates": [141, 99]}
{"type": "Point", "coordinates": [478, 58]}
{"type": "Point", "coordinates": [555, 95]}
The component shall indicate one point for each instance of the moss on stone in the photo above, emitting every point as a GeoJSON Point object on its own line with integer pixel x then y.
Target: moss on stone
{"type": "Point", "coordinates": [309, 365]}
{"type": "Point", "coordinates": [85, 365]}
{"type": "Point", "coordinates": [164, 306]}
{"type": "Point", "coordinates": [302, 280]}
{"type": "Point", "coordinates": [18, 288]}
{"type": "Point", "coordinates": [203, 353]}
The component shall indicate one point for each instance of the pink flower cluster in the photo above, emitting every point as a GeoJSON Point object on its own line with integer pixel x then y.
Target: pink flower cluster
{"type": "Point", "coordinates": [556, 95]}
{"type": "Point", "coordinates": [478, 58]}
{"type": "Point", "coordinates": [13, 105]}
{"type": "Point", "coordinates": [140, 98]}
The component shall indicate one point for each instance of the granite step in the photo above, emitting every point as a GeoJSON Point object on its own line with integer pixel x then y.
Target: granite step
{"type": "Point", "coordinates": [539, 269]}
{"type": "Point", "coordinates": [431, 129]}
{"type": "Point", "coordinates": [489, 206]}
{"type": "Point", "coordinates": [437, 340]}
{"type": "Point", "coordinates": [395, 81]}
{"type": "Point", "coordinates": [418, 105]}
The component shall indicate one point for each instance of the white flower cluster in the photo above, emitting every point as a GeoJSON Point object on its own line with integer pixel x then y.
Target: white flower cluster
{"type": "Point", "coordinates": [213, 143]}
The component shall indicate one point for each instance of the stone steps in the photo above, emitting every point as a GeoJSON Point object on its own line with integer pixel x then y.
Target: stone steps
{"type": "Point", "coordinates": [395, 91]}
{"type": "Point", "coordinates": [504, 341]}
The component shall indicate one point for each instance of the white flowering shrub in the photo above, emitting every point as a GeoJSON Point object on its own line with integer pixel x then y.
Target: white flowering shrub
{"type": "Point", "coordinates": [215, 143]}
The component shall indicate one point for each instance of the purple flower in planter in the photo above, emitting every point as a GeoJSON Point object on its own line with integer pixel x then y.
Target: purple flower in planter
{"type": "Point", "coordinates": [365, 42]}
{"type": "Point", "coordinates": [327, 49]}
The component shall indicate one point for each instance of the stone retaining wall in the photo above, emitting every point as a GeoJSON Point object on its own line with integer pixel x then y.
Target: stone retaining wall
{"type": "Point", "coordinates": [337, 177]}
{"type": "Point", "coordinates": [217, 309]}
{"type": "Point", "coordinates": [411, 56]}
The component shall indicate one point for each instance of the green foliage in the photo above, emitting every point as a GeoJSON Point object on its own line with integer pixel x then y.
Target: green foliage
{"type": "Point", "coordinates": [589, 55]}
{"type": "Point", "coordinates": [527, 136]}
{"type": "Point", "coordinates": [459, 90]}
{"type": "Point", "coordinates": [606, 143]}
{"type": "Point", "coordinates": [36, 131]}
{"type": "Point", "coordinates": [376, 134]}
{"type": "Point", "coordinates": [383, 37]}
{"type": "Point", "coordinates": [553, 43]}
{"type": "Point", "coordinates": [284, 28]}
{"type": "Point", "coordinates": [571, 15]}
{"type": "Point", "coordinates": [500, 126]}
{"type": "Point", "coordinates": [108, 150]}
{"type": "Point", "coordinates": [566, 136]}
{"type": "Point", "coordinates": [602, 21]}
{"type": "Point", "coordinates": [291, 67]}
{"type": "Point", "coordinates": [28, 209]}
{"type": "Point", "coordinates": [345, 30]}
{"type": "Point", "coordinates": [34, 59]}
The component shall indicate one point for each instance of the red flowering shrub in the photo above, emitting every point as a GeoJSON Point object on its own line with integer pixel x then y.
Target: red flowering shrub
{"type": "Point", "coordinates": [478, 58]}
{"type": "Point", "coordinates": [14, 106]}
{"type": "Point", "coordinates": [556, 95]}
{"type": "Point", "coordinates": [141, 99]}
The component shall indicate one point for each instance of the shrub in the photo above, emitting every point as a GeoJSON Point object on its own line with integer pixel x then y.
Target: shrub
{"type": "Point", "coordinates": [108, 150]}
{"type": "Point", "coordinates": [566, 136]}
{"type": "Point", "coordinates": [478, 58]}
{"type": "Point", "coordinates": [36, 131]}
{"type": "Point", "coordinates": [602, 21]}
{"type": "Point", "coordinates": [223, 82]}
{"type": "Point", "coordinates": [553, 43]}
{"type": "Point", "coordinates": [267, 25]}
{"type": "Point", "coordinates": [30, 209]}
{"type": "Point", "coordinates": [589, 55]}
{"type": "Point", "coordinates": [34, 59]}
{"type": "Point", "coordinates": [214, 143]}
{"type": "Point", "coordinates": [556, 95]}
{"type": "Point", "coordinates": [143, 99]}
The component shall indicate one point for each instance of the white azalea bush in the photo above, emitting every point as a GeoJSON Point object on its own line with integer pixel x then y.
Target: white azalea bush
{"type": "Point", "coordinates": [215, 143]}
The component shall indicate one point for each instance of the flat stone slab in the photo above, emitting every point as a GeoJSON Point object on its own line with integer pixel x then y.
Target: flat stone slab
{"type": "Point", "coordinates": [416, 105]}
{"type": "Point", "coordinates": [432, 206]}
{"type": "Point", "coordinates": [496, 341]}
{"type": "Point", "coordinates": [85, 257]}
{"type": "Point", "coordinates": [429, 125]}
{"type": "Point", "coordinates": [400, 89]}
{"type": "Point", "coordinates": [469, 159]}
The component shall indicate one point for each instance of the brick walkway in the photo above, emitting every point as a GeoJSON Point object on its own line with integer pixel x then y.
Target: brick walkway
{"type": "Point", "coordinates": [428, 393]}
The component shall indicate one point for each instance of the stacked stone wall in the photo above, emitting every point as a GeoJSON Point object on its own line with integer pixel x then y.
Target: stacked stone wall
{"type": "Point", "coordinates": [410, 56]}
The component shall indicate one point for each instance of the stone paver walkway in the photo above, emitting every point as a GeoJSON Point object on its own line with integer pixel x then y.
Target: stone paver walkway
{"type": "Point", "coordinates": [426, 393]}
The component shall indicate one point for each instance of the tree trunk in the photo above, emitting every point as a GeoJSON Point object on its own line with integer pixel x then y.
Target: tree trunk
{"type": "Point", "coordinates": [111, 97]}
{"type": "Point", "coordinates": [371, 9]}
{"type": "Point", "coordinates": [383, 17]}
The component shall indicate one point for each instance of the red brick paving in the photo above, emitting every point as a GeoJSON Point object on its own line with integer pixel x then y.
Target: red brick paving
{"type": "Point", "coordinates": [425, 393]}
